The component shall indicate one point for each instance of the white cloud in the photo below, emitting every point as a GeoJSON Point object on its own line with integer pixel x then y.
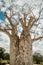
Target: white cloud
{"type": "Point", "coordinates": [4, 42]}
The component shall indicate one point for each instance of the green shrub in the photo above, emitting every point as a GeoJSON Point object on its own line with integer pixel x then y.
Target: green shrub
{"type": "Point", "coordinates": [37, 59]}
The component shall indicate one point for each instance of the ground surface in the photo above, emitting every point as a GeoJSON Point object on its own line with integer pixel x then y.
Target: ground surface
{"type": "Point", "coordinates": [33, 64]}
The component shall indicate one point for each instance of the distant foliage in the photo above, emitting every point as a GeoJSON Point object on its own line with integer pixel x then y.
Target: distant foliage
{"type": "Point", "coordinates": [4, 55]}
{"type": "Point", "coordinates": [2, 50]}
{"type": "Point", "coordinates": [37, 59]}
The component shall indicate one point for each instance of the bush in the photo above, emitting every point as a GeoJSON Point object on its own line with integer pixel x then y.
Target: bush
{"type": "Point", "coordinates": [6, 56]}
{"type": "Point", "coordinates": [2, 50]}
{"type": "Point", "coordinates": [37, 59]}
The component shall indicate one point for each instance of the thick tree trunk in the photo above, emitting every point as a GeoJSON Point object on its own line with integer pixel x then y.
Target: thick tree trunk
{"type": "Point", "coordinates": [13, 50]}
{"type": "Point", "coordinates": [25, 49]}
{"type": "Point", "coordinates": [21, 52]}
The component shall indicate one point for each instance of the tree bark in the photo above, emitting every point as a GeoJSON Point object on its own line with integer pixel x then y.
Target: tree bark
{"type": "Point", "coordinates": [25, 49]}
{"type": "Point", "coordinates": [21, 51]}
{"type": "Point", "coordinates": [14, 50]}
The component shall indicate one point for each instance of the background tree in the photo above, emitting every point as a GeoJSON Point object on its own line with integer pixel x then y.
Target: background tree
{"type": "Point", "coordinates": [37, 58]}
{"type": "Point", "coordinates": [3, 54]}
{"type": "Point", "coordinates": [6, 56]}
{"type": "Point", "coordinates": [26, 17]}
{"type": "Point", "coordinates": [2, 50]}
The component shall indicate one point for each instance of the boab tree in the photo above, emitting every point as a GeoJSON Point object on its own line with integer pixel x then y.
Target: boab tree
{"type": "Point", "coordinates": [28, 18]}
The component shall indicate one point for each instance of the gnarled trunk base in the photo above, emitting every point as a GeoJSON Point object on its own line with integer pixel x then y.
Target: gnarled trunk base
{"type": "Point", "coordinates": [13, 50]}
{"type": "Point", "coordinates": [25, 49]}
{"type": "Point", "coordinates": [23, 56]}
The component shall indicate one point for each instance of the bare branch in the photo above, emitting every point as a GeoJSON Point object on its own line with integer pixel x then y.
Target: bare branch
{"type": "Point", "coordinates": [12, 25]}
{"type": "Point", "coordinates": [9, 18]}
{"type": "Point", "coordinates": [39, 38]}
{"type": "Point", "coordinates": [5, 31]}
{"type": "Point", "coordinates": [25, 15]}
{"type": "Point", "coordinates": [32, 20]}
{"type": "Point", "coordinates": [21, 21]}
{"type": "Point", "coordinates": [33, 23]}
